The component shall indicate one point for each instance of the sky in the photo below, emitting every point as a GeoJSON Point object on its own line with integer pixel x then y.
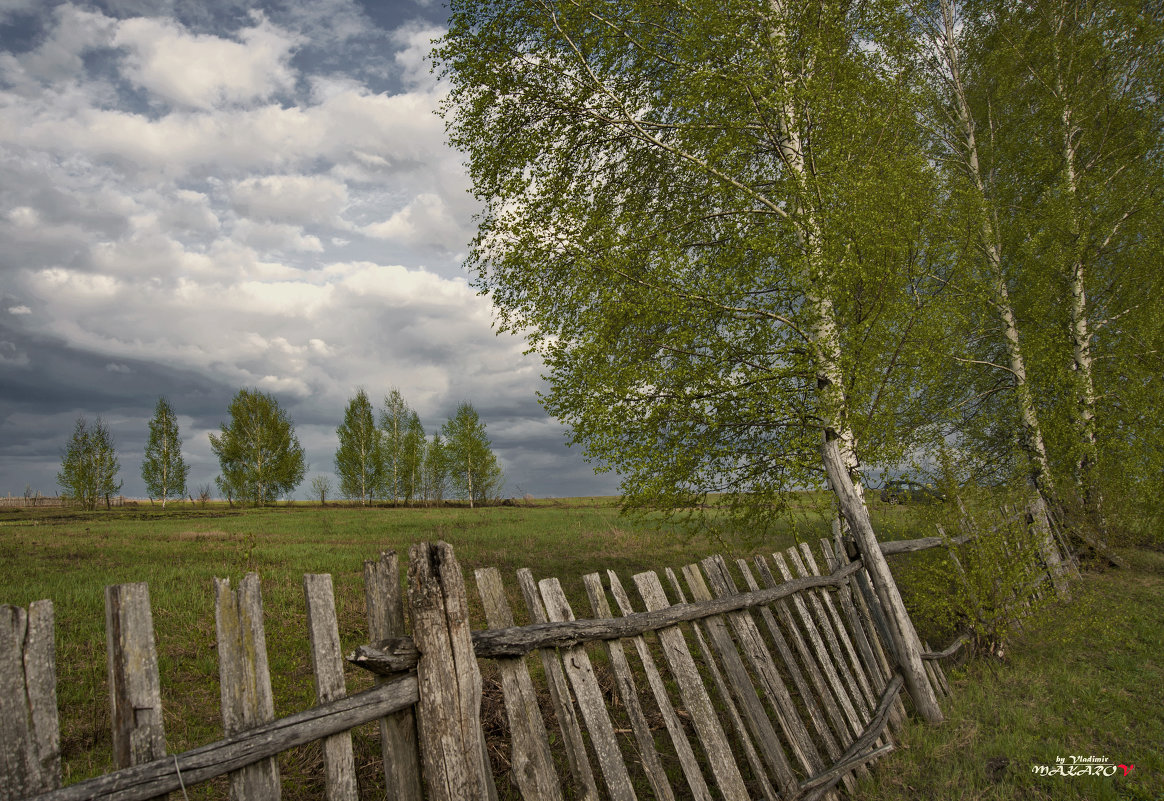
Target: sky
{"type": "Point", "coordinates": [197, 197]}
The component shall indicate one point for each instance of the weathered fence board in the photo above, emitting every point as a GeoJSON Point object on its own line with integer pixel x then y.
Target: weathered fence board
{"type": "Point", "coordinates": [533, 764]}
{"type": "Point", "coordinates": [628, 692]}
{"type": "Point", "coordinates": [245, 679]}
{"type": "Point", "coordinates": [581, 675]}
{"type": "Point", "coordinates": [385, 611]}
{"type": "Point", "coordinates": [452, 744]}
{"type": "Point", "coordinates": [135, 694]}
{"type": "Point", "coordinates": [585, 784]}
{"type": "Point", "coordinates": [30, 741]}
{"type": "Point", "coordinates": [683, 749]}
{"type": "Point", "coordinates": [328, 668]}
{"type": "Point", "coordinates": [707, 725]}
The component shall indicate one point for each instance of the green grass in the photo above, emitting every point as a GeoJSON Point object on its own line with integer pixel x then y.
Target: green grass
{"type": "Point", "coordinates": [1084, 677]}
{"type": "Point", "coordinates": [70, 557]}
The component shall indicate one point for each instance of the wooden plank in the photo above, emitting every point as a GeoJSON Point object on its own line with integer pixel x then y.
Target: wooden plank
{"type": "Point", "coordinates": [398, 745]}
{"type": "Point", "coordinates": [740, 683]}
{"type": "Point", "coordinates": [533, 764]}
{"type": "Point", "coordinates": [580, 672]}
{"type": "Point", "coordinates": [865, 633]}
{"type": "Point", "coordinates": [686, 755]}
{"type": "Point", "coordinates": [448, 714]}
{"type": "Point", "coordinates": [30, 744]}
{"type": "Point", "coordinates": [625, 684]}
{"type": "Point", "coordinates": [753, 645]}
{"type": "Point", "coordinates": [824, 660]}
{"type": "Point", "coordinates": [585, 785]}
{"type": "Point", "coordinates": [812, 670]}
{"type": "Point", "coordinates": [520, 640]}
{"type": "Point", "coordinates": [328, 668]}
{"type": "Point", "coordinates": [807, 697]}
{"type": "Point", "coordinates": [832, 639]}
{"type": "Point", "coordinates": [245, 681]}
{"type": "Point", "coordinates": [135, 695]}
{"type": "Point", "coordinates": [939, 687]}
{"type": "Point", "coordinates": [924, 543]}
{"type": "Point", "coordinates": [857, 668]}
{"type": "Point", "coordinates": [17, 774]}
{"type": "Point", "coordinates": [245, 748]}
{"type": "Point", "coordinates": [707, 726]}
{"type": "Point", "coordinates": [40, 681]}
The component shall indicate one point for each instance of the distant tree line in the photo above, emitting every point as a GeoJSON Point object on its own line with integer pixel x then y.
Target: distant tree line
{"type": "Point", "coordinates": [384, 457]}
{"type": "Point", "coordinates": [395, 461]}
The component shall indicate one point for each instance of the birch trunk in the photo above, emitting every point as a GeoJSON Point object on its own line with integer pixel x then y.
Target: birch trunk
{"type": "Point", "coordinates": [839, 446]}
{"type": "Point", "coordinates": [1039, 475]}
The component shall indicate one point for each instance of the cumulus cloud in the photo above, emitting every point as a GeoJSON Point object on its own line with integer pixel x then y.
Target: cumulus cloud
{"type": "Point", "coordinates": [189, 205]}
{"type": "Point", "coordinates": [204, 71]}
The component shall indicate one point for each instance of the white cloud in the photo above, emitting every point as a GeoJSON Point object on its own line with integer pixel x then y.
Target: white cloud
{"type": "Point", "coordinates": [290, 198]}
{"type": "Point", "coordinates": [415, 41]}
{"type": "Point", "coordinates": [114, 367]}
{"type": "Point", "coordinates": [19, 310]}
{"type": "Point", "coordinates": [202, 71]}
{"type": "Point", "coordinates": [425, 219]}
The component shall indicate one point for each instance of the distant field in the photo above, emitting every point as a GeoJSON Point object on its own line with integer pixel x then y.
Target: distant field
{"type": "Point", "coordinates": [70, 556]}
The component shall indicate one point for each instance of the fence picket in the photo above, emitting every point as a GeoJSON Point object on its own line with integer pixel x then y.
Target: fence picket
{"type": "Point", "coordinates": [585, 784]}
{"type": "Point", "coordinates": [683, 750]}
{"type": "Point", "coordinates": [323, 636]}
{"type": "Point", "coordinates": [135, 697]}
{"type": "Point", "coordinates": [699, 630]}
{"type": "Point", "coordinates": [30, 739]}
{"type": "Point", "coordinates": [581, 674]}
{"type": "Point", "coordinates": [245, 680]}
{"type": "Point", "coordinates": [385, 610]}
{"type": "Point", "coordinates": [533, 764]}
{"type": "Point", "coordinates": [758, 724]}
{"type": "Point", "coordinates": [857, 668]}
{"type": "Point", "coordinates": [452, 744]}
{"type": "Point", "coordinates": [707, 725]}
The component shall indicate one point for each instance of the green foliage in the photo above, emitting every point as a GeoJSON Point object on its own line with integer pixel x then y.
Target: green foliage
{"type": "Point", "coordinates": [473, 471]}
{"type": "Point", "coordinates": [359, 459]}
{"type": "Point", "coordinates": [394, 419]}
{"type": "Point", "coordinates": [258, 452]}
{"type": "Point", "coordinates": [89, 465]}
{"type": "Point", "coordinates": [412, 459]}
{"type": "Point", "coordinates": [163, 469]}
{"type": "Point", "coordinates": [711, 227]}
{"type": "Point", "coordinates": [435, 470]}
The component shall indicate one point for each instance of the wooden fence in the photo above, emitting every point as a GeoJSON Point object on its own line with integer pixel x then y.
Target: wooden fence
{"type": "Point", "coordinates": [780, 689]}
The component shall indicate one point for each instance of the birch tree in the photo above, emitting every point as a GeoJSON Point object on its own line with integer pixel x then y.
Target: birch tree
{"type": "Point", "coordinates": [394, 425]}
{"type": "Point", "coordinates": [163, 469]}
{"type": "Point", "coordinates": [260, 456]}
{"type": "Point", "coordinates": [435, 470]}
{"type": "Point", "coordinates": [359, 459]}
{"type": "Point", "coordinates": [89, 465]}
{"type": "Point", "coordinates": [698, 212]}
{"type": "Point", "coordinates": [473, 471]}
{"type": "Point", "coordinates": [412, 459]}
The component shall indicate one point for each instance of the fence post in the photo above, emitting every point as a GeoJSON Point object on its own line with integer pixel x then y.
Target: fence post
{"type": "Point", "coordinates": [245, 679]}
{"type": "Point", "coordinates": [135, 697]}
{"type": "Point", "coordinates": [30, 740]}
{"type": "Point", "coordinates": [452, 744]}
{"type": "Point", "coordinates": [397, 732]}
{"type": "Point", "coordinates": [326, 664]}
{"type": "Point", "coordinates": [906, 644]}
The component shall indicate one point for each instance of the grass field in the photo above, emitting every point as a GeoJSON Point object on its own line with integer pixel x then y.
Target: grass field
{"type": "Point", "coordinates": [70, 557]}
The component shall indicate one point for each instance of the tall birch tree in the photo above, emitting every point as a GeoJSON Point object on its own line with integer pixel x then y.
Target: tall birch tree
{"type": "Point", "coordinates": [394, 425]}
{"type": "Point", "coordinates": [163, 469]}
{"type": "Point", "coordinates": [698, 213]}
{"type": "Point", "coordinates": [359, 459]}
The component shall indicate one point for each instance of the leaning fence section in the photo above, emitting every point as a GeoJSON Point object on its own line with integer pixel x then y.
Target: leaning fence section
{"type": "Point", "coordinates": [764, 678]}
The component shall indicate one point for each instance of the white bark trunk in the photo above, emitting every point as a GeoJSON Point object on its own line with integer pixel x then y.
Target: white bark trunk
{"type": "Point", "coordinates": [1032, 435]}
{"type": "Point", "coordinates": [839, 447]}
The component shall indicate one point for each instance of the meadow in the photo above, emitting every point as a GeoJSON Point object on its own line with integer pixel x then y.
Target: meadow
{"type": "Point", "coordinates": [70, 556]}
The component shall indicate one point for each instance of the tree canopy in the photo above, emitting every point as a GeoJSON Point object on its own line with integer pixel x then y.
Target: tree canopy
{"type": "Point", "coordinates": [467, 455]}
{"type": "Point", "coordinates": [258, 452]}
{"type": "Point", "coordinates": [89, 464]}
{"type": "Point", "coordinates": [359, 460]}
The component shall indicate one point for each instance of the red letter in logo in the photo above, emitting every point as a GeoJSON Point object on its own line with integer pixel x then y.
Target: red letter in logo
{"type": "Point", "coordinates": [1126, 768]}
